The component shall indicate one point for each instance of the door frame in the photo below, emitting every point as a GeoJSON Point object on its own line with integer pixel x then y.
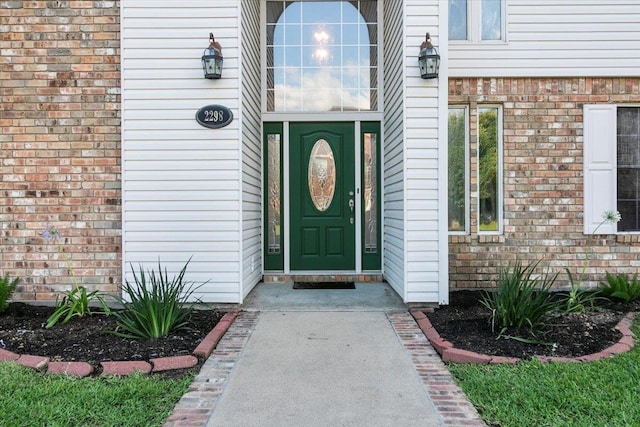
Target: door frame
{"type": "Point", "coordinates": [281, 262]}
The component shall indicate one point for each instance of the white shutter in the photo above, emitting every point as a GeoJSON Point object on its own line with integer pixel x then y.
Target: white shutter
{"type": "Point", "coordinates": [600, 170]}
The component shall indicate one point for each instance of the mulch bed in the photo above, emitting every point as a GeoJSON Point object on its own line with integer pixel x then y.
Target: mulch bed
{"type": "Point", "coordinates": [87, 339]}
{"type": "Point", "coordinates": [467, 325]}
{"type": "Point", "coordinates": [464, 322]}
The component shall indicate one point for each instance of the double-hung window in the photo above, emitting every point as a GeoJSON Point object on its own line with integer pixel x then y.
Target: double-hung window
{"type": "Point", "coordinates": [484, 197]}
{"type": "Point", "coordinates": [477, 20]}
{"type": "Point", "coordinates": [611, 167]}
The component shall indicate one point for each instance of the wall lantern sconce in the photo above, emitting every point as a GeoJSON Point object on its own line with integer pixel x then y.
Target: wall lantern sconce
{"type": "Point", "coordinates": [429, 60]}
{"type": "Point", "coordinates": [212, 59]}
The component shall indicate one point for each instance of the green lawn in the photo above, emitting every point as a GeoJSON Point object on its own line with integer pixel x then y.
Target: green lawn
{"type": "Point", "coordinates": [29, 398]}
{"type": "Point", "coordinates": [601, 393]}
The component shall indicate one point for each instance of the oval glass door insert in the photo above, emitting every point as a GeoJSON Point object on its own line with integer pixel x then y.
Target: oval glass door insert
{"type": "Point", "coordinates": [322, 175]}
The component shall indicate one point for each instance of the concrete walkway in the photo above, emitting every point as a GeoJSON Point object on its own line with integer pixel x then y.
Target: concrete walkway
{"type": "Point", "coordinates": [290, 365]}
{"type": "Point", "coordinates": [324, 369]}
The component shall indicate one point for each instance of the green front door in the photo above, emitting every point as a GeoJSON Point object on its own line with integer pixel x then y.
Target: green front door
{"type": "Point", "coordinates": [322, 197]}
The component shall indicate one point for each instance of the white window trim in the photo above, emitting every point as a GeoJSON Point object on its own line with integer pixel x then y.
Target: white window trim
{"type": "Point", "coordinates": [467, 172]}
{"type": "Point", "coordinates": [499, 178]}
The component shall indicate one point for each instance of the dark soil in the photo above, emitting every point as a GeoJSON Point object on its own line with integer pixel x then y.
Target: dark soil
{"type": "Point", "coordinates": [467, 324]}
{"type": "Point", "coordinates": [87, 338]}
{"type": "Point", "coordinates": [464, 322]}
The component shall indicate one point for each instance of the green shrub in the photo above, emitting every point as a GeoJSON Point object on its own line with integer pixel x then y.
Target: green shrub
{"type": "Point", "coordinates": [620, 287]}
{"type": "Point", "coordinates": [521, 298]}
{"type": "Point", "coordinates": [7, 286]}
{"type": "Point", "coordinates": [157, 305]}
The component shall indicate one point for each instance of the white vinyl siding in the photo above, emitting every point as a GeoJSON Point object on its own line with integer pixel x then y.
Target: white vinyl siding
{"type": "Point", "coordinates": [425, 157]}
{"type": "Point", "coordinates": [251, 147]}
{"type": "Point", "coordinates": [557, 38]}
{"type": "Point", "coordinates": [599, 166]}
{"type": "Point", "coordinates": [181, 181]}
{"type": "Point", "coordinates": [393, 187]}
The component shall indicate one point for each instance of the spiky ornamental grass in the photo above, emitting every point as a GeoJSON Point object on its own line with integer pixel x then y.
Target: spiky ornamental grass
{"type": "Point", "coordinates": [522, 298]}
{"type": "Point", "coordinates": [156, 305]}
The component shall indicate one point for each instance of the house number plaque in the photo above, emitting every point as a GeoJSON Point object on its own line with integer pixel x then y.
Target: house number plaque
{"type": "Point", "coordinates": [214, 116]}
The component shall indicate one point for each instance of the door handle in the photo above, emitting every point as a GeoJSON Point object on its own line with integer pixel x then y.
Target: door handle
{"type": "Point", "coordinates": [351, 206]}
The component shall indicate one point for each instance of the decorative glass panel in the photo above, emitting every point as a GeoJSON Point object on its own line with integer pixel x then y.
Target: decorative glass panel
{"type": "Point", "coordinates": [370, 196]}
{"type": "Point", "coordinates": [322, 175]}
{"type": "Point", "coordinates": [322, 55]}
{"type": "Point", "coordinates": [273, 158]}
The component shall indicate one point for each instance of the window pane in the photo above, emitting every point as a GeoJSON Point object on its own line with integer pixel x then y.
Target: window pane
{"type": "Point", "coordinates": [370, 196]}
{"type": "Point", "coordinates": [318, 42]}
{"type": "Point", "coordinates": [273, 174]}
{"type": "Point", "coordinates": [488, 169]}
{"type": "Point", "coordinates": [457, 169]}
{"type": "Point", "coordinates": [628, 148]}
{"type": "Point", "coordinates": [491, 22]}
{"type": "Point", "coordinates": [457, 19]}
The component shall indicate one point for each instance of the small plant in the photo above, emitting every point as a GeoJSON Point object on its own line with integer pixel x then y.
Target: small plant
{"type": "Point", "coordinates": [620, 287]}
{"type": "Point", "coordinates": [522, 298]}
{"type": "Point", "coordinates": [580, 298]}
{"type": "Point", "coordinates": [7, 286]}
{"type": "Point", "coordinates": [77, 301]}
{"type": "Point", "coordinates": [157, 305]}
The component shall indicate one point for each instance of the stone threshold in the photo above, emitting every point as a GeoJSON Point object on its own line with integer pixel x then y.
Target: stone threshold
{"type": "Point", "coordinates": [123, 368]}
{"type": "Point", "coordinates": [316, 277]}
{"type": "Point", "coordinates": [451, 354]}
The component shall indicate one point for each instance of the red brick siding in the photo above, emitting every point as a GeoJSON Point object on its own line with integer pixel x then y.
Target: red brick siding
{"type": "Point", "coordinates": [60, 152]}
{"type": "Point", "coordinates": [543, 180]}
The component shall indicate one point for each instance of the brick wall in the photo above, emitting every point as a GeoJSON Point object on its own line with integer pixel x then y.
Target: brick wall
{"type": "Point", "coordinates": [543, 180]}
{"type": "Point", "coordinates": [60, 152]}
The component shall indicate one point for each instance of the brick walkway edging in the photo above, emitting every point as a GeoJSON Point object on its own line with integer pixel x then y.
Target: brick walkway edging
{"type": "Point", "coordinates": [122, 368]}
{"type": "Point", "coordinates": [197, 404]}
{"type": "Point", "coordinates": [449, 400]}
{"type": "Point", "coordinates": [451, 354]}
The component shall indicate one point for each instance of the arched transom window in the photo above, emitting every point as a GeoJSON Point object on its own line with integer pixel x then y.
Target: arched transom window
{"type": "Point", "coordinates": [322, 56]}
